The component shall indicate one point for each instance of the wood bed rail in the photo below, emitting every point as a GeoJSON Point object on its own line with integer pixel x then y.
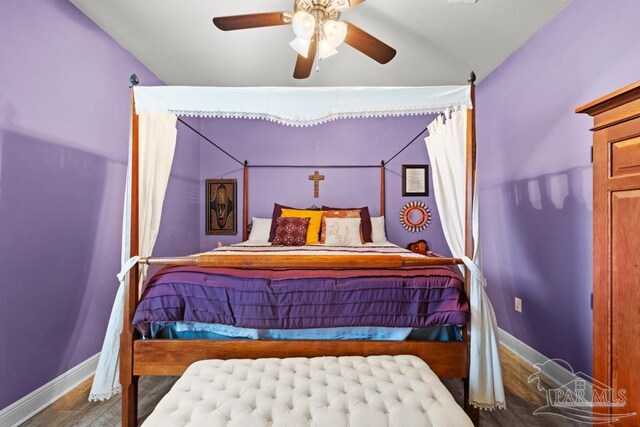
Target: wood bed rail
{"type": "Point", "coordinates": [172, 357]}
{"type": "Point", "coordinates": [302, 261]}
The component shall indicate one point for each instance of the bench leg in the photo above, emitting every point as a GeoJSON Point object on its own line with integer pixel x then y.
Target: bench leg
{"type": "Point", "coordinates": [472, 411]}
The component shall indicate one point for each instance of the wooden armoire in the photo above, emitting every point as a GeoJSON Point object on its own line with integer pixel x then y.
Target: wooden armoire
{"type": "Point", "coordinates": [616, 244]}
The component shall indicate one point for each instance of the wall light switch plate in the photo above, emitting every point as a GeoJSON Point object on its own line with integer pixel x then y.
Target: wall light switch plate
{"type": "Point", "coordinates": [518, 305]}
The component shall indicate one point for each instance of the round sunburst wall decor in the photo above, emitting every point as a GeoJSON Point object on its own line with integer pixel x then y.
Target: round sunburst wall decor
{"type": "Point", "coordinates": [415, 216]}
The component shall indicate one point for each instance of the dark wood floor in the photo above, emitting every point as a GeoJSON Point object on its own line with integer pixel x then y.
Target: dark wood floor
{"type": "Point", "coordinates": [74, 409]}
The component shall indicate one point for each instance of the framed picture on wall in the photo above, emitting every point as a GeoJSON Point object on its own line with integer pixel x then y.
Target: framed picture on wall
{"type": "Point", "coordinates": [221, 216]}
{"type": "Point", "coordinates": [415, 180]}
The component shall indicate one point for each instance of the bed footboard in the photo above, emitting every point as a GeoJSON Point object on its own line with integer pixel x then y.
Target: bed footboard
{"type": "Point", "coordinates": [171, 357]}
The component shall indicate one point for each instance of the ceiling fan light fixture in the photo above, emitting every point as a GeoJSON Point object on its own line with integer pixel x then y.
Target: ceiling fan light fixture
{"type": "Point", "coordinates": [304, 24]}
{"type": "Point", "coordinates": [335, 32]}
{"type": "Point", "coordinates": [301, 46]}
{"type": "Point", "coordinates": [325, 49]}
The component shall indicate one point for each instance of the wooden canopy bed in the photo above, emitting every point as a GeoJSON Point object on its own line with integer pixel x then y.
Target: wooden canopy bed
{"type": "Point", "coordinates": [140, 357]}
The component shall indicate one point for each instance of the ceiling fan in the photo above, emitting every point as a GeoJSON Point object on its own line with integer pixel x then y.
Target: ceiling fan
{"type": "Point", "coordinates": [317, 29]}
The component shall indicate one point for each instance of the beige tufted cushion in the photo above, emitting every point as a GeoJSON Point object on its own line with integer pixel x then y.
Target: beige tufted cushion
{"type": "Point", "coordinates": [322, 391]}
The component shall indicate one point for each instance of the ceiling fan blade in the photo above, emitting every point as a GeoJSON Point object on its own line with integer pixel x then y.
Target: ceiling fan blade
{"type": "Point", "coordinates": [354, 3]}
{"type": "Point", "coordinates": [369, 45]}
{"type": "Point", "coordinates": [304, 65]}
{"type": "Point", "coordinates": [256, 20]}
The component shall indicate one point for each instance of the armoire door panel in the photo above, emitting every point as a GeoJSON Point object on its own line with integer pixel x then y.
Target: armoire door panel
{"type": "Point", "coordinates": [625, 310]}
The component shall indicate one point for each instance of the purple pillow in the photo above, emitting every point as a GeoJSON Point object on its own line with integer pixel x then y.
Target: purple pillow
{"type": "Point", "coordinates": [365, 219]}
{"type": "Point", "coordinates": [291, 232]}
{"type": "Point", "coordinates": [277, 213]}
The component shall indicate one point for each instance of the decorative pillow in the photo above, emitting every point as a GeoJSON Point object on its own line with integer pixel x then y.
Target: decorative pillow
{"type": "Point", "coordinates": [277, 213]}
{"type": "Point", "coordinates": [378, 233]}
{"type": "Point", "coordinates": [338, 214]}
{"type": "Point", "coordinates": [343, 232]}
{"type": "Point", "coordinates": [313, 232]}
{"type": "Point", "coordinates": [260, 229]}
{"type": "Point", "coordinates": [364, 215]}
{"type": "Point", "coordinates": [291, 232]}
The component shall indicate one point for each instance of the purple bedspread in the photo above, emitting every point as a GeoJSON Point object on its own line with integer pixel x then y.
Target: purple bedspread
{"type": "Point", "coordinates": [297, 299]}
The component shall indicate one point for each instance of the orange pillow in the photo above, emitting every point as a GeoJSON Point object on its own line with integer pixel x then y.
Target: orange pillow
{"type": "Point", "coordinates": [315, 219]}
{"type": "Point", "coordinates": [338, 214]}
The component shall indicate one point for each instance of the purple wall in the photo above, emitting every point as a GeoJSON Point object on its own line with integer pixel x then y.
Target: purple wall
{"type": "Point", "coordinates": [64, 119]}
{"type": "Point", "coordinates": [360, 141]}
{"type": "Point", "coordinates": [179, 229]}
{"type": "Point", "coordinates": [535, 174]}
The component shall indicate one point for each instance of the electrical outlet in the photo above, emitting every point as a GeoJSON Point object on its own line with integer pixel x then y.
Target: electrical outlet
{"type": "Point", "coordinates": [518, 305]}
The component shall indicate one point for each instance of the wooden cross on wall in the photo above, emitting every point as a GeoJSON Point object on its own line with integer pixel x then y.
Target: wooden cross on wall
{"type": "Point", "coordinates": [316, 178]}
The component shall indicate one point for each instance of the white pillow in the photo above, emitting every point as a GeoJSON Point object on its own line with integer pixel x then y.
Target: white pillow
{"type": "Point", "coordinates": [378, 234]}
{"type": "Point", "coordinates": [343, 232]}
{"type": "Point", "coordinates": [260, 230]}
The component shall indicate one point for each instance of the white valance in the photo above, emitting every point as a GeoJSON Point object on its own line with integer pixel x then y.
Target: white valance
{"type": "Point", "coordinates": [300, 106]}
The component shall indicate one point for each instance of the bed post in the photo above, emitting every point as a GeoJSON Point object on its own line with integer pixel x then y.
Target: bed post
{"type": "Point", "coordinates": [245, 203]}
{"type": "Point", "coordinates": [128, 380]}
{"type": "Point", "coordinates": [382, 189]}
{"type": "Point", "coordinates": [472, 412]}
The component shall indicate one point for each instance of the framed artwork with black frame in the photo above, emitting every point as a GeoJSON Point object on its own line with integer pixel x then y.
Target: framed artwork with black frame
{"type": "Point", "coordinates": [415, 180]}
{"type": "Point", "coordinates": [221, 216]}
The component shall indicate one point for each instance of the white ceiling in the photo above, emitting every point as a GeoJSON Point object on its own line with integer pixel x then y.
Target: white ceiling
{"type": "Point", "coordinates": [437, 42]}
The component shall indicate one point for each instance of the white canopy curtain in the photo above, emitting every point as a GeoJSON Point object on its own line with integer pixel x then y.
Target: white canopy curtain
{"type": "Point", "coordinates": [156, 141]}
{"type": "Point", "coordinates": [446, 144]}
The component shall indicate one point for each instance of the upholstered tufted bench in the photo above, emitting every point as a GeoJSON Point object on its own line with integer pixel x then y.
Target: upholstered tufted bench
{"type": "Point", "coordinates": [322, 391]}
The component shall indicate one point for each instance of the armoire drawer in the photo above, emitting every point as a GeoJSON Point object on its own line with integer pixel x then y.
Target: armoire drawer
{"type": "Point", "coordinates": [625, 157]}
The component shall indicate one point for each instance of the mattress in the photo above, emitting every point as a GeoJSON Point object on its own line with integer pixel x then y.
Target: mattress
{"type": "Point", "coordinates": [415, 297]}
{"type": "Point", "coordinates": [322, 391]}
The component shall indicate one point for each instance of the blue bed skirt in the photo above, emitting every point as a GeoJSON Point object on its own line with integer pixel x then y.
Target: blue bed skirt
{"type": "Point", "coordinates": [194, 330]}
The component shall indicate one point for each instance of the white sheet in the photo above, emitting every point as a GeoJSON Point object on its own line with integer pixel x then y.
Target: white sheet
{"type": "Point", "coordinates": [385, 244]}
{"type": "Point", "coordinates": [261, 248]}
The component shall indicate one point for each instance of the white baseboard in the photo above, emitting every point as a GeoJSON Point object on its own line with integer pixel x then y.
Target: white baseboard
{"type": "Point", "coordinates": [557, 374]}
{"type": "Point", "coordinates": [25, 408]}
